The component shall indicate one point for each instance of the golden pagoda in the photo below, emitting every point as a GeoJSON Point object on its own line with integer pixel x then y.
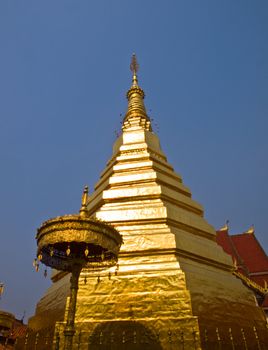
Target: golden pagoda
{"type": "Point", "coordinates": [173, 286]}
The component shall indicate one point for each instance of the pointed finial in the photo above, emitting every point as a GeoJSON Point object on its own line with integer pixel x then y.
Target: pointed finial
{"type": "Point", "coordinates": [225, 227]}
{"type": "Point", "coordinates": [1, 289]}
{"type": "Point", "coordinates": [83, 210]}
{"type": "Point", "coordinates": [265, 285]}
{"type": "Point", "coordinates": [251, 230]}
{"type": "Point", "coordinates": [235, 263]}
{"type": "Point", "coordinates": [134, 67]}
{"type": "Point", "coordinates": [136, 115]}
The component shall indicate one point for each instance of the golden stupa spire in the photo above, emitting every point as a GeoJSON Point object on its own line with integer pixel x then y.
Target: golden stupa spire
{"type": "Point", "coordinates": [136, 116]}
{"type": "Point", "coordinates": [83, 210]}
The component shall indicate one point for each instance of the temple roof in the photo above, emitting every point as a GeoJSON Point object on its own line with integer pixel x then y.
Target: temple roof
{"type": "Point", "coordinates": [252, 253]}
{"type": "Point", "coordinates": [249, 258]}
{"type": "Point", "coordinates": [245, 249]}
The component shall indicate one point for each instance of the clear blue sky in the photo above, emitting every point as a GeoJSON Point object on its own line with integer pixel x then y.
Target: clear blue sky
{"type": "Point", "coordinates": [64, 71]}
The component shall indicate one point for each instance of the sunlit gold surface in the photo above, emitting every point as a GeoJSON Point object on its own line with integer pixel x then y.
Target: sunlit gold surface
{"type": "Point", "coordinates": [171, 273]}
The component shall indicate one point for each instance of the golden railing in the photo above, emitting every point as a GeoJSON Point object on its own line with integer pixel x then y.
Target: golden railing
{"type": "Point", "coordinates": [180, 339]}
{"type": "Point", "coordinates": [251, 284]}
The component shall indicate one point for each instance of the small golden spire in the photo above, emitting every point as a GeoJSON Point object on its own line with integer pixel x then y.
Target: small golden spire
{"type": "Point", "coordinates": [83, 210]}
{"type": "Point", "coordinates": [251, 230]}
{"type": "Point", "coordinates": [136, 115]}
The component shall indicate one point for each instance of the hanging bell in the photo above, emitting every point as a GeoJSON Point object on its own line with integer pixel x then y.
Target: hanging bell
{"type": "Point", "coordinates": [68, 251]}
{"type": "Point", "coordinates": [51, 251]}
{"type": "Point", "coordinates": [86, 251]}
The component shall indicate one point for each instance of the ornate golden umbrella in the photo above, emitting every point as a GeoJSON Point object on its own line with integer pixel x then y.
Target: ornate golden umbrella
{"type": "Point", "coordinates": [71, 242]}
